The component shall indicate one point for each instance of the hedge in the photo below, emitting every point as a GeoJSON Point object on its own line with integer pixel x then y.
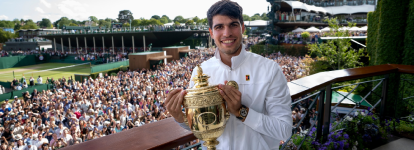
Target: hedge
{"type": "Point", "coordinates": [391, 36]}
{"type": "Point", "coordinates": [408, 54]}
{"type": "Point", "coordinates": [373, 21]}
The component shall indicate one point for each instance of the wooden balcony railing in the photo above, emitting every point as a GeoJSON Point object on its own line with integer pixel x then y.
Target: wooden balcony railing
{"type": "Point", "coordinates": [167, 134]}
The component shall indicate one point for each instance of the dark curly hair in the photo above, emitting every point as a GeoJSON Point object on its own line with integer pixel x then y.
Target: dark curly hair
{"type": "Point", "coordinates": [225, 8]}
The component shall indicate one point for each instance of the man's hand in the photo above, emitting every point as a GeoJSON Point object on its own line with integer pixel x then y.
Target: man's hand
{"type": "Point", "coordinates": [173, 104]}
{"type": "Point", "coordinates": [232, 98]}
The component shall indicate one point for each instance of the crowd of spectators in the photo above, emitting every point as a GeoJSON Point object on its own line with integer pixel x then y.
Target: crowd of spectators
{"type": "Point", "coordinates": [73, 112]}
{"type": "Point", "coordinates": [296, 38]}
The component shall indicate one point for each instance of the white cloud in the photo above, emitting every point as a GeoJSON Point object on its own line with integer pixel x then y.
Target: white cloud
{"type": "Point", "coordinates": [40, 10]}
{"type": "Point", "coordinates": [74, 9]}
{"type": "Point", "coordinates": [48, 5]}
{"type": "Point", "coordinates": [25, 17]}
{"type": "Point", "coordinates": [3, 17]}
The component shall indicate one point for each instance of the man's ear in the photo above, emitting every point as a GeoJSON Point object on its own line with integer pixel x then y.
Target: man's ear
{"type": "Point", "coordinates": [243, 28]}
{"type": "Point", "coordinates": [211, 32]}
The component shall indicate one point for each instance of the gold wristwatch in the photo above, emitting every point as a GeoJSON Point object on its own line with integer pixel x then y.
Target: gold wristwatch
{"type": "Point", "coordinates": [243, 113]}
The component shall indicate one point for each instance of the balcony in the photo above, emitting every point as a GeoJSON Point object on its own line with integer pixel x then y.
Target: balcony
{"type": "Point", "coordinates": [167, 134]}
{"type": "Point", "coordinates": [331, 3]}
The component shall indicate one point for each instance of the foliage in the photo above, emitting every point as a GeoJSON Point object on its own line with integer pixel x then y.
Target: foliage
{"type": "Point", "coordinates": [179, 19]}
{"type": "Point", "coordinates": [246, 17]}
{"type": "Point", "coordinates": [338, 53]}
{"type": "Point", "coordinates": [125, 25]}
{"type": "Point", "coordinates": [93, 18]}
{"type": "Point", "coordinates": [305, 35]}
{"type": "Point", "coordinates": [168, 18]}
{"type": "Point", "coordinates": [176, 23]}
{"type": "Point", "coordinates": [189, 22]}
{"type": "Point", "coordinates": [365, 128]}
{"type": "Point", "coordinates": [5, 35]}
{"type": "Point", "coordinates": [408, 53]}
{"type": "Point", "coordinates": [256, 17]}
{"type": "Point", "coordinates": [319, 65]}
{"type": "Point", "coordinates": [156, 17]}
{"type": "Point", "coordinates": [73, 24]}
{"type": "Point", "coordinates": [196, 19]}
{"type": "Point", "coordinates": [29, 25]}
{"type": "Point", "coordinates": [264, 16]}
{"type": "Point", "coordinates": [402, 126]}
{"type": "Point", "coordinates": [7, 24]}
{"type": "Point", "coordinates": [45, 23]}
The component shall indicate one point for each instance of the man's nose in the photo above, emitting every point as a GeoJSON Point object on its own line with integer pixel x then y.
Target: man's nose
{"type": "Point", "coordinates": [227, 32]}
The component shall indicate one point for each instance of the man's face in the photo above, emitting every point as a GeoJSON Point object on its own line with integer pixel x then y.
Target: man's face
{"type": "Point", "coordinates": [227, 34]}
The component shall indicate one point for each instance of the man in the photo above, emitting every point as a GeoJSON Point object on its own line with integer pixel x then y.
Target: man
{"type": "Point", "coordinates": [260, 111]}
{"type": "Point", "coordinates": [39, 80]}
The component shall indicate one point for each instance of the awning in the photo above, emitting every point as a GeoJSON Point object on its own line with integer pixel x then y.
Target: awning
{"type": "Point", "coordinates": [299, 30]}
{"type": "Point", "coordinates": [313, 29]}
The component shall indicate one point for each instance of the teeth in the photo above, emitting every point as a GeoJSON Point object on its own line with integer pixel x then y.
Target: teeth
{"type": "Point", "coordinates": [228, 41]}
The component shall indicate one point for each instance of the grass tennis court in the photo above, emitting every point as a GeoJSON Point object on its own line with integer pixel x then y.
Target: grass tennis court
{"type": "Point", "coordinates": [55, 70]}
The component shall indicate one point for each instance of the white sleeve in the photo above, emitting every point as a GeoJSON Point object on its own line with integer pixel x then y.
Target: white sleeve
{"type": "Point", "coordinates": [277, 123]}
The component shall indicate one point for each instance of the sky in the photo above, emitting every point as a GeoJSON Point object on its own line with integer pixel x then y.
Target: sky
{"type": "Point", "coordinates": [82, 9]}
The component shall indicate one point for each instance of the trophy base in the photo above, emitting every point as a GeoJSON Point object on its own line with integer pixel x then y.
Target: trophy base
{"type": "Point", "coordinates": [211, 144]}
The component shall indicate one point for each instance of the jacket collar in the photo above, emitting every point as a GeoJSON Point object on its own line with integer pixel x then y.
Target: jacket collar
{"type": "Point", "coordinates": [236, 61]}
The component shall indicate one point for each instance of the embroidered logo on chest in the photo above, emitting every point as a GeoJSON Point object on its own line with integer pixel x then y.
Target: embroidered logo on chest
{"type": "Point", "coordinates": [247, 77]}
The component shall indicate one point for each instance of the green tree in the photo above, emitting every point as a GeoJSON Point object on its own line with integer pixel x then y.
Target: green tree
{"type": "Point", "coordinates": [163, 20]}
{"type": "Point", "coordinates": [30, 25]}
{"type": "Point", "coordinates": [196, 19]}
{"type": "Point", "coordinates": [156, 17]}
{"type": "Point", "coordinates": [204, 21]}
{"type": "Point", "coordinates": [178, 19]}
{"type": "Point", "coordinates": [64, 21]}
{"type": "Point", "coordinates": [165, 16]}
{"type": "Point", "coordinates": [246, 17]}
{"type": "Point", "coordinates": [16, 21]}
{"type": "Point", "coordinates": [7, 24]}
{"type": "Point", "coordinates": [5, 35]}
{"type": "Point", "coordinates": [264, 16]}
{"type": "Point", "coordinates": [45, 23]}
{"type": "Point", "coordinates": [153, 21]}
{"type": "Point", "coordinates": [17, 27]}
{"type": "Point", "coordinates": [73, 24]}
{"type": "Point", "coordinates": [189, 22]}
{"type": "Point", "coordinates": [176, 23]}
{"type": "Point", "coordinates": [337, 53]}
{"type": "Point", "coordinates": [93, 18]}
{"type": "Point", "coordinates": [136, 23]}
{"type": "Point", "coordinates": [256, 17]}
{"type": "Point", "coordinates": [103, 23]}
{"type": "Point", "coordinates": [125, 25]}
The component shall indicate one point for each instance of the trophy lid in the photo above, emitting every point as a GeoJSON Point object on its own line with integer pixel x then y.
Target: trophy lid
{"type": "Point", "coordinates": [201, 85]}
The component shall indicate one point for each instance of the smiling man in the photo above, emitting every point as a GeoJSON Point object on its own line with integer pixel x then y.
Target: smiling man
{"type": "Point", "coordinates": [260, 109]}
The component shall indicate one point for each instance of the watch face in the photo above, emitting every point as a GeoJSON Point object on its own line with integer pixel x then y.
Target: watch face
{"type": "Point", "coordinates": [243, 112]}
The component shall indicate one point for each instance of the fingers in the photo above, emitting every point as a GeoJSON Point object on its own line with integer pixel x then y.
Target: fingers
{"type": "Point", "coordinates": [228, 91]}
{"type": "Point", "coordinates": [170, 101]}
{"type": "Point", "coordinates": [171, 94]}
{"type": "Point", "coordinates": [181, 98]}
